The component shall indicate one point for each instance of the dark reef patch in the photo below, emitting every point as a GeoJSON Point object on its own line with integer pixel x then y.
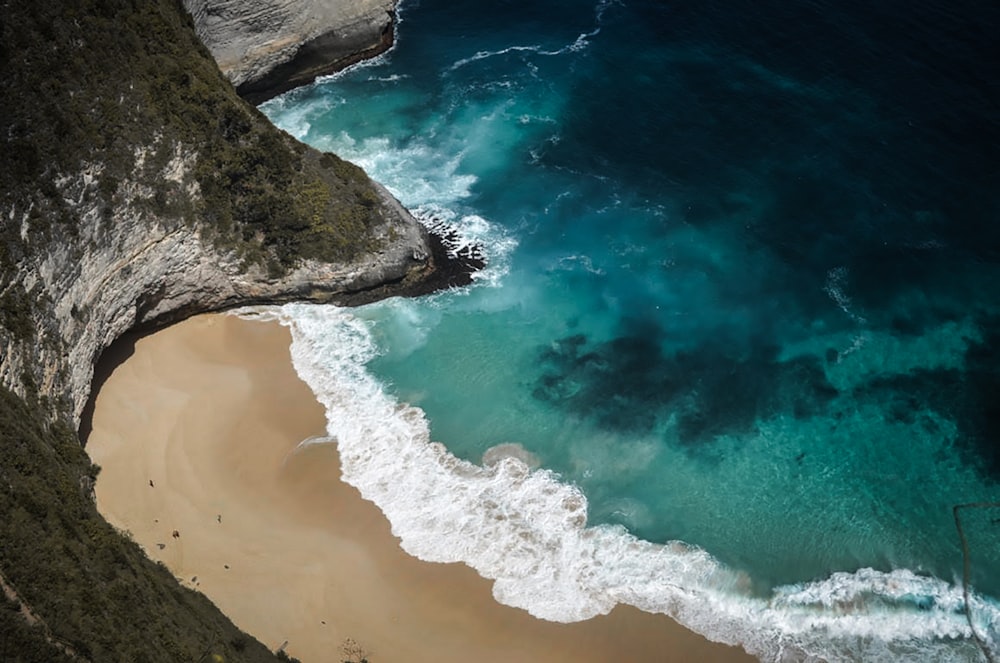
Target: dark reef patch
{"type": "Point", "coordinates": [970, 397]}
{"type": "Point", "coordinates": [632, 384]}
{"type": "Point", "coordinates": [982, 415]}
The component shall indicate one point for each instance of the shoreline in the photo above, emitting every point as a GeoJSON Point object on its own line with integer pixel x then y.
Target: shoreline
{"type": "Point", "coordinates": [197, 433]}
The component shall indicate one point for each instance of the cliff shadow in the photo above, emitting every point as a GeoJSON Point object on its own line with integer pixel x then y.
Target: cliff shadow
{"type": "Point", "coordinates": [121, 349]}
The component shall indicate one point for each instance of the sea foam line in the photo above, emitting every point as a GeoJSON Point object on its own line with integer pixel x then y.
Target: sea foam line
{"type": "Point", "coordinates": [581, 42]}
{"type": "Point", "coordinates": [527, 531]}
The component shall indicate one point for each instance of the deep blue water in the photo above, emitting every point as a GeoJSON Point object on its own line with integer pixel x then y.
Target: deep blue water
{"type": "Point", "coordinates": [742, 293]}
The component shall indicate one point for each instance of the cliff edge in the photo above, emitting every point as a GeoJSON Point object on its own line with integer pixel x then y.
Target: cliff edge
{"type": "Point", "coordinates": [266, 47]}
{"type": "Point", "coordinates": [138, 189]}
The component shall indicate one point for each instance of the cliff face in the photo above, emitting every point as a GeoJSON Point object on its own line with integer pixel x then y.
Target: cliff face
{"type": "Point", "coordinates": [266, 47]}
{"type": "Point", "coordinates": [142, 269]}
{"type": "Point", "coordinates": [190, 203]}
{"type": "Point", "coordinates": [136, 188]}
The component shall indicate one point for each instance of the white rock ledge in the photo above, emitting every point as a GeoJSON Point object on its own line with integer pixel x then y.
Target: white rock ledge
{"type": "Point", "coordinates": [266, 47]}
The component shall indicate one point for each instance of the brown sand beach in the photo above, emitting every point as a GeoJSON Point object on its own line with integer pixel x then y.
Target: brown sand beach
{"type": "Point", "coordinates": [197, 433]}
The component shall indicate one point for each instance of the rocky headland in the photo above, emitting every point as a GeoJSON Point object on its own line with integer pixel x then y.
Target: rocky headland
{"type": "Point", "coordinates": [137, 188]}
{"type": "Point", "coordinates": [146, 254]}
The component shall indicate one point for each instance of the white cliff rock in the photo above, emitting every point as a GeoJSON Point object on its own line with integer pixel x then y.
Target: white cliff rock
{"type": "Point", "coordinates": [268, 46]}
{"type": "Point", "coordinates": [96, 252]}
{"type": "Point", "coordinates": [138, 269]}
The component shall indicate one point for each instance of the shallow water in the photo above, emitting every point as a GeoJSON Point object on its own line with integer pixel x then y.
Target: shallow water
{"type": "Point", "coordinates": [741, 295]}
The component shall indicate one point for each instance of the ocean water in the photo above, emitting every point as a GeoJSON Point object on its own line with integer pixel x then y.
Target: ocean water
{"type": "Point", "coordinates": [735, 356]}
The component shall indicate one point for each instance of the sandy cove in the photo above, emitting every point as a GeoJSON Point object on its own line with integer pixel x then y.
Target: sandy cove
{"type": "Point", "coordinates": [196, 434]}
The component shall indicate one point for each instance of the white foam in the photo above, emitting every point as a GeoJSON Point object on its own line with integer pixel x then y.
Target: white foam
{"type": "Point", "coordinates": [581, 42]}
{"type": "Point", "coordinates": [483, 55]}
{"type": "Point", "coordinates": [836, 288]}
{"type": "Point", "coordinates": [416, 173]}
{"type": "Point", "coordinates": [432, 187]}
{"type": "Point", "coordinates": [572, 262]}
{"type": "Point", "coordinates": [527, 531]}
{"type": "Point", "coordinates": [393, 78]}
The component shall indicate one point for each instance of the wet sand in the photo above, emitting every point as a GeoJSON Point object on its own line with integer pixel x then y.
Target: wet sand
{"type": "Point", "coordinates": [197, 434]}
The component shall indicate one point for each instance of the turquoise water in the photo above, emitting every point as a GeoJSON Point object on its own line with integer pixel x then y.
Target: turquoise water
{"type": "Point", "coordinates": [741, 294]}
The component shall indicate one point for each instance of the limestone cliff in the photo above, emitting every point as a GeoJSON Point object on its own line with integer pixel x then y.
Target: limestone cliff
{"type": "Point", "coordinates": [266, 47]}
{"type": "Point", "coordinates": [182, 217]}
{"type": "Point", "coordinates": [137, 188]}
{"type": "Point", "coordinates": [141, 269]}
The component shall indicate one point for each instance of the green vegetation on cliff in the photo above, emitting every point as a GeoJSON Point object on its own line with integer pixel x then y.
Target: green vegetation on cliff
{"type": "Point", "coordinates": [121, 89]}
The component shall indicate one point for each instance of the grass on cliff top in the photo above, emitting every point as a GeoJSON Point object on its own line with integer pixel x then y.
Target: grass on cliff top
{"type": "Point", "coordinates": [89, 81]}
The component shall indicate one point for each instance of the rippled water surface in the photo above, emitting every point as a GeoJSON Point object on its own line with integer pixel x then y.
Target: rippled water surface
{"type": "Point", "coordinates": [741, 310]}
